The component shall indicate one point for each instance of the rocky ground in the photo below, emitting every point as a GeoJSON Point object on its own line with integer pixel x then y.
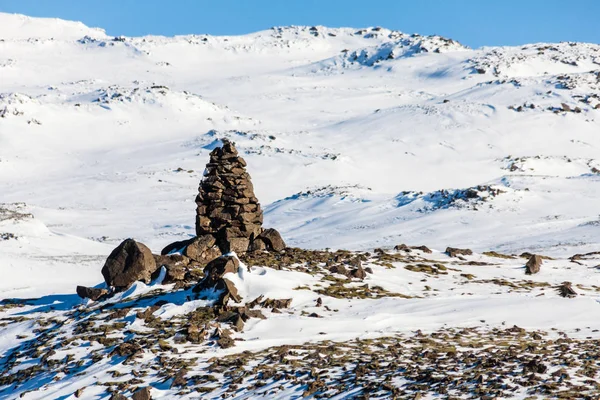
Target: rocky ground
{"type": "Point", "coordinates": [185, 342]}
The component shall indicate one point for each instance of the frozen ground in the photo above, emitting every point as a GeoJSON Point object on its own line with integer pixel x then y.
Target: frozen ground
{"type": "Point", "coordinates": [355, 139]}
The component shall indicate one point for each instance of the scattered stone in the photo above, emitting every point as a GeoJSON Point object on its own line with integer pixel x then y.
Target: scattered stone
{"type": "Point", "coordinates": [91, 293]}
{"type": "Point", "coordinates": [566, 290]}
{"type": "Point", "coordinates": [454, 252]}
{"type": "Point", "coordinates": [127, 349]}
{"type": "Point", "coordinates": [117, 396]}
{"type": "Point", "coordinates": [533, 265]}
{"type": "Point", "coordinates": [534, 366]}
{"type": "Point", "coordinates": [358, 273]}
{"type": "Point", "coordinates": [129, 262]}
{"type": "Point", "coordinates": [226, 342]}
{"type": "Point", "coordinates": [338, 269]}
{"type": "Point", "coordinates": [179, 380]}
{"type": "Point", "coordinates": [142, 394]}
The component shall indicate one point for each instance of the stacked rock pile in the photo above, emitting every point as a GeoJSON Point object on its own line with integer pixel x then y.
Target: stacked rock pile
{"type": "Point", "coordinates": [228, 219]}
{"type": "Point", "coordinates": [227, 207]}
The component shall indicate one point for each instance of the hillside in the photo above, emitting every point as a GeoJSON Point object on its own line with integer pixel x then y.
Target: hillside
{"type": "Point", "coordinates": [356, 139]}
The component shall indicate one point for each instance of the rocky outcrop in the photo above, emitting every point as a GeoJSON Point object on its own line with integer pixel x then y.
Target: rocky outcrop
{"type": "Point", "coordinates": [129, 262]}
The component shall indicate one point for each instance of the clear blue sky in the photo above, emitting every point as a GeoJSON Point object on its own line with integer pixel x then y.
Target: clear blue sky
{"type": "Point", "coordinates": [473, 22]}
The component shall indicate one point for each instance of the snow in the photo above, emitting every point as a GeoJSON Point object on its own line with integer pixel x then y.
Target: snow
{"type": "Point", "coordinates": [354, 139]}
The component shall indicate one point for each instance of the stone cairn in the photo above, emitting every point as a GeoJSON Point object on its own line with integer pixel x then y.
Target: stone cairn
{"type": "Point", "coordinates": [227, 208]}
{"type": "Point", "coordinates": [228, 219]}
{"type": "Point", "coordinates": [226, 205]}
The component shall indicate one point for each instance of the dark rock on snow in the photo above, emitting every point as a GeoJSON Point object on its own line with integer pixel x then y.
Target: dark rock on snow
{"type": "Point", "coordinates": [91, 293]}
{"type": "Point", "coordinates": [454, 252]}
{"type": "Point", "coordinates": [142, 394]}
{"type": "Point", "coordinates": [272, 240]}
{"type": "Point", "coordinates": [533, 265]}
{"type": "Point", "coordinates": [129, 262]}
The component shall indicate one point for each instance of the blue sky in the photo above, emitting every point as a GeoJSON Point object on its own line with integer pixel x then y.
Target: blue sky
{"type": "Point", "coordinates": [473, 22]}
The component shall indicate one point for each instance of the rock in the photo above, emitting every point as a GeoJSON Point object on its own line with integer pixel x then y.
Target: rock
{"type": "Point", "coordinates": [454, 252]}
{"type": "Point", "coordinates": [117, 396]}
{"type": "Point", "coordinates": [534, 366]}
{"type": "Point", "coordinates": [402, 247]}
{"type": "Point", "coordinates": [358, 273]}
{"type": "Point", "coordinates": [566, 290]}
{"type": "Point", "coordinates": [202, 249]}
{"type": "Point", "coordinates": [238, 245]}
{"type": "Point", "coordinates": [179, 380]}
{"type": "Point", "coordinates": [127, 349]}
{"type": "Point", "coordinates": [424, 249]}
{"type": "Point", "coordinates": [176, 247]}
{"type": "Point", "coordinates": [142, 394]}
{"type": "Point", "coordinates": [213, 278]}
{"type": "Point", "coordinates": [175, 264]}
{"type": "Point", "coordinates": [230, 289]}
{"type": "Point", "coordinates": [338, 269]}
{"type": "Point", "coordinates": [533, 265]}
{"type": "Point", "coordinates": [129, 262]}
{"type": "Point", "coordinates": [90, 293]}
{"type": "Point", "coordinates": [226, 342]}
{"type": "Point", "coordinates": [272, 239]}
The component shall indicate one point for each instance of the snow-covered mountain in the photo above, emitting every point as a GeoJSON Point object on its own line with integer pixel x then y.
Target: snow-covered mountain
{"type": "Point", "coordinates": [354, 138]}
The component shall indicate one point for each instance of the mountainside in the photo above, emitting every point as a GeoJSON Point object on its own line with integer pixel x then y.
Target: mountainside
{"type": "Point", "coordinates": [355, 139]}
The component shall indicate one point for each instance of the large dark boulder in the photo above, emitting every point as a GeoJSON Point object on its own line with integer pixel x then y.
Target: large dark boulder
{"type": "Point", "coordinates": [129, 262]}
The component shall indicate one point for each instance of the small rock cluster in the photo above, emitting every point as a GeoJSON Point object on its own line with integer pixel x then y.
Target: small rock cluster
{"type": "Point", "coordinates": [228, 219]}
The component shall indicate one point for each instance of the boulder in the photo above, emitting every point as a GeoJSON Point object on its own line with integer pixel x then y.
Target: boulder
{"type": "Point", "coordinates": [358, 273]}
{"type": "Point", "coordinates": [272, 239]}
{"type": "Point", "coordinates": [566, 290]}
{"type": "Point", "coordinates": [213, 278]}
{"type": "Point", "coordinates": [533, 265]}
{"type": "Point", "coordinates": [142, 394]}
{"type": "Point", "coordinates": [215, 270]}
{"type": "Point", "coordinates": [454, 252]}
{"type": "Point", "coordinates": [129, 262]}
{"type": "Point", "coordinates": [203, 249]}
{"type": "Point", "coordinates": [91, 293]}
